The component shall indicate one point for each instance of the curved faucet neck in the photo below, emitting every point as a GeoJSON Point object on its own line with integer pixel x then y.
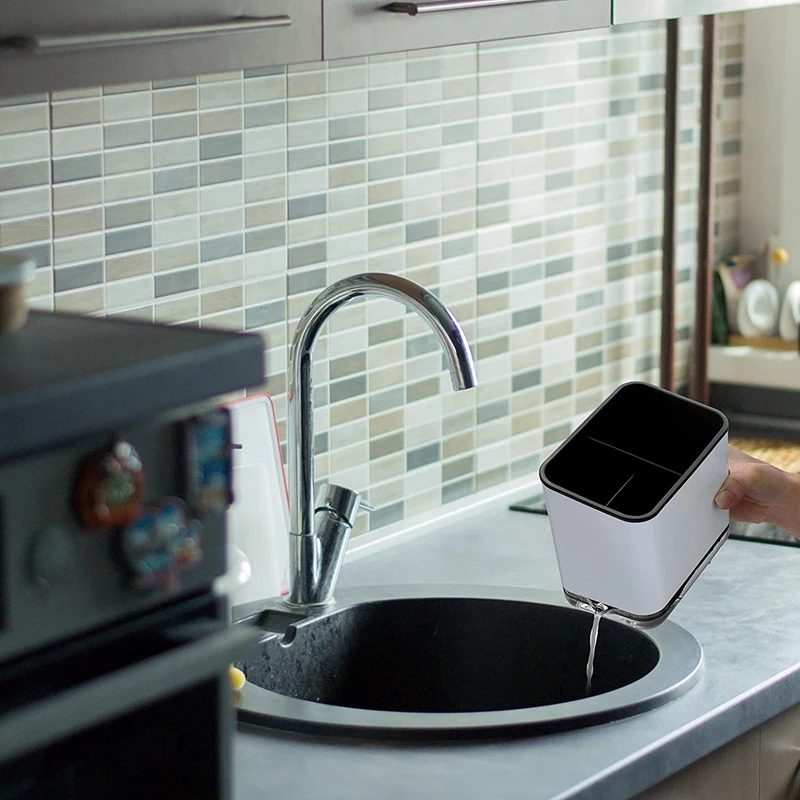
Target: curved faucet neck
{"type": "Point", "coordinates": [306, 558]}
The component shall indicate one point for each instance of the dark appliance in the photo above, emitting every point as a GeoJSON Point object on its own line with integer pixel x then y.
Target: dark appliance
{"type": "Point", "coordinates": [114, 479]}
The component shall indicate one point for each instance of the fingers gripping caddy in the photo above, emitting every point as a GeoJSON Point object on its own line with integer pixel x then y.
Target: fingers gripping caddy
{"type": "Point", "coordinates": [630, 496]}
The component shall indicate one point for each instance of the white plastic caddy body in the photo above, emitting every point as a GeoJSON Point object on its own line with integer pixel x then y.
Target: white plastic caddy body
{"type": "Point", "coordinates": [638, 552]}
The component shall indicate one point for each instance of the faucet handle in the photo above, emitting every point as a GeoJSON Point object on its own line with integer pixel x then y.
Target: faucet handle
{"type": "Point", "coordinates": [344, 503]}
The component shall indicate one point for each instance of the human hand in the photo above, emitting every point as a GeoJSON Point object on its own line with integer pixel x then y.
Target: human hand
{"type": "Point", "coordinates": [755, 491]}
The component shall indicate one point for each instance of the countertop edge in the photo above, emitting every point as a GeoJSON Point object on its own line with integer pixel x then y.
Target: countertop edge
{"type": "Point", "coordinates": [647, 768]}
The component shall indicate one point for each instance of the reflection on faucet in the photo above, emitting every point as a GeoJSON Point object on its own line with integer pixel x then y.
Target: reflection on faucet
{"type": "Point", "coordinates": [319, 532]}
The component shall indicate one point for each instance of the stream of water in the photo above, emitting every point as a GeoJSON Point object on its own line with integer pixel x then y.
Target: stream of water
{"type": "Point", "coordinates": [592, 647]}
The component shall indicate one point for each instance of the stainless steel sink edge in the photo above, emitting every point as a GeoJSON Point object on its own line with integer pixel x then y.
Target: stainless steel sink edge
{"type": "Point", "coordinates": [679, 668]}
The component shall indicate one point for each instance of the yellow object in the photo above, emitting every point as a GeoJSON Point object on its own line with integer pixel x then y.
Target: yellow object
{"type": "Point", "coordinates": [237, 677]}
{"type": "Point", "coordinates": [779, 255]}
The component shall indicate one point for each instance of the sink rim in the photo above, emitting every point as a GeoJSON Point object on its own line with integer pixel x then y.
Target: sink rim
{"type": "Point", "coordinates": [678, 669]}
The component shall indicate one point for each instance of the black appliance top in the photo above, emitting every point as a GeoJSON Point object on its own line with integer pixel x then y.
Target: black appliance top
{"type": "Point", "coordinates": [63, 375]}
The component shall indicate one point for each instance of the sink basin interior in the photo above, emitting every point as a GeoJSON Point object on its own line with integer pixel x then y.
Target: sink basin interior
{"type": "Point", "coordinates": [445, 655]}
{"type": "Point", "coordinates": [446, 664]}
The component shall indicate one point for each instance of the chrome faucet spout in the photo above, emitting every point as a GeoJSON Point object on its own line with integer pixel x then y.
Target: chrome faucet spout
{"type": "Point", "coordinates": [313, 572]}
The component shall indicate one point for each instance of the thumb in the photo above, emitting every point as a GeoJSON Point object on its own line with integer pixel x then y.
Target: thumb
{"type": "Point", "coordinates": [731, 492]}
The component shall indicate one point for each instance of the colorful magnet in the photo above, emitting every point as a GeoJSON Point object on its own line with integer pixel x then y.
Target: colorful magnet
{"type": "Point", "coordinates": [110, 487]}
{"type": "Point", "coordinates": [209, 465]}
{"type": "Point", "coordinates": [160, 544]}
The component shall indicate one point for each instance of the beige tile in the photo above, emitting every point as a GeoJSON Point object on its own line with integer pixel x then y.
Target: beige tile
{"type": "Point", "coordinates": [33, 229]}
{"type": "Point", "coordinates": [307, 84]}
{"type": "Point", "coordinates": [555, 330]}
{"type": "Point", "coordinates": [423, 502]}
{"type": "Point", "coordinates": [221, 222]}
{"type": "Point", "coordinates": [128, 187]}
{"type": "Point", "coordinates": [261, 214]}
{"type": "Point", "coordinates": [386, 493]}
{"type": "Point", "coordinates": [74, 223]}
{"type": "Point", "coordinates": [220, 273]}
{"type": "Point", "coordinates": [265, 291]}
{"type": "Point", "coordinates": [385, 469]}
{"type": "Point", "coordinates": [525, 422]}
{"type": "Point", "coordinates": [174, 101]}
{"type": "Point", "coordinates": [131, 159]}
{"type": "Point", "coordinates": [522, 402]}
{"type": "Point", "coordinates": [492, 477]}
{"type": "Point", "coordinates": [261, 90]}
{"type": "Point", "coordinates": [308, 230]}
{"type": "Point", "coordinates": [77, 195]}
{"type": "Point", "coordinates": [349, 410]}
{"type": "Point", "coordinates": [488, 390]}
{"type": "Point", "coordinates": [651, 123]}
{"type": "Point", "coordinates": [177, 204]}
{"type": "Point", "coordinates": [80, 112]}
{"type": "Point", "coordinates": [492, 304]}
{"type": "Point", "coordinates": [222, 300]}
{"type": "Point", "coordinates": [619, 351]}
{"type": "Point", "coordinates": [83, 301]}
{"type": "Point", "coordinates": [221, 94]}
{"type": "Point", "coordinates": [589, 341]}
{"type": "Point", "coordinates": [347, 175]}
{"type": "Point", "coordinates": [182, 255]}
{"type": "Point", "coordinates": [19, 119]}
{"type": "Point", "coordinates": [389, 422]}
{"type": "Point", "coordinates": [308, 108]}
{"type": "Point", "coordinates": [229, 119]}
{"type": "Point", "coordinates": [559, 288]}
{"type": "Point", "coordinates": [129, 265]}
{"type": "Point", "coordinates": [179, 310]}
{"type": "Point", "coordinates": [264, 189]}
{"type": "Point", "coordinates": [561, 246]}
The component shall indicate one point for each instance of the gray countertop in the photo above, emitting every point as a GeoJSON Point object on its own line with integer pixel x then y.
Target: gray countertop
{"type": "Point", "coordinates": [744, 610]}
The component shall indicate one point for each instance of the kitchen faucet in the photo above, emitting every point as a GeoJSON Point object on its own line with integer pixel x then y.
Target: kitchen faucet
{"type": "Point", "coordinates": [318, 532]}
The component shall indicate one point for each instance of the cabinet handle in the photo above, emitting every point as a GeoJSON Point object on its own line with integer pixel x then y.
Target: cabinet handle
{"type": "Point", "coordinates": [85, 41]}
{"type": "Point", "coordinates": [412, 9]}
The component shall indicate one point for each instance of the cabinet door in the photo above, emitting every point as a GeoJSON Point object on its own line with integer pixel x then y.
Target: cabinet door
{"type": "Point", "coordinates": [730, 773]}
{"type": "Point", "coordinates": [60, 44]}
{"type": "Point", "coordinates": [780, 757]}
{"type": "Point", "coordinates": [641, 10]}
{"type": "Point", "coordinates": [363, 27]}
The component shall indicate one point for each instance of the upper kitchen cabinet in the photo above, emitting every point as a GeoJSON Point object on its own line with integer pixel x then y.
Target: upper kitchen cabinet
{"type": "Point", "coordinates": [642, 10]}
{"type": "Point", "coordinates": [365, 27]}
{"type": "Point", "coordinates": [51, 44]}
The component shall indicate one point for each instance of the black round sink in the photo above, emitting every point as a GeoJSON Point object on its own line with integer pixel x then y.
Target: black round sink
{"type": "Point", "coordinates": [436, 661]}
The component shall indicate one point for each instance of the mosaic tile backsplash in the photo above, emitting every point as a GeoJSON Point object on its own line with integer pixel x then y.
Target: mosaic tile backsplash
{"type": "Point", "coordinates": [521, 180]}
